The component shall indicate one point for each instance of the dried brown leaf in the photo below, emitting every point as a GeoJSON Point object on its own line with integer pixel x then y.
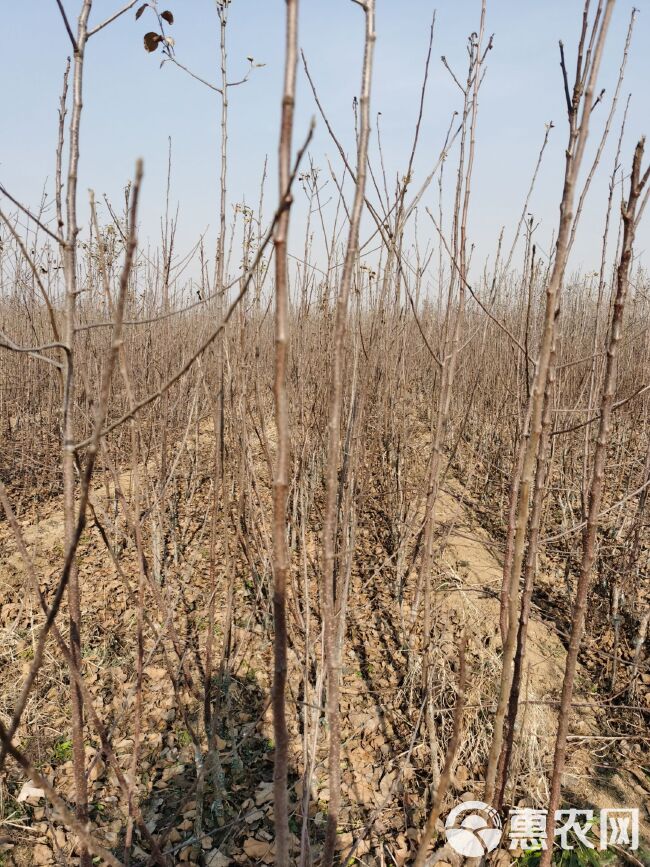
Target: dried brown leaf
{"type": "Point", "coordinates": [152, 40]}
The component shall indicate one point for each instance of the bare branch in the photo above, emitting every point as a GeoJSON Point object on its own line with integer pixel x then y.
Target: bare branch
{"type": "Point", "coordinates": [565, 80]}
{"type": "Point", "coordinates": [67, 25]}
{"type": "Point", "coordinates": [29, 214]}
{"type": "Point", "coordinates": [112, 18]}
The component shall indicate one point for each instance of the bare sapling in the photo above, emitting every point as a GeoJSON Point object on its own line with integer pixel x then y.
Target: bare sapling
{"type": "Point", "coordinates": [281, 562]}
{"type": "Point", "coordinates": [331, 601]}
{"type": "Point", "coordinates": [69, 254]}
{"type": "Point", "coordinates": [452, 329]}
{"type": "Point", "coordinates": [579, 108]}
{"type": "Point", "coordinates": [630, 217]}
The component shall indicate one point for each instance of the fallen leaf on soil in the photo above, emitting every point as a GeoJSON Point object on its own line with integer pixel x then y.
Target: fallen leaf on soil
{"type": "Point", "coordinates": [256, 848]}
{"type": "Point", "coordinates": [30, 793]}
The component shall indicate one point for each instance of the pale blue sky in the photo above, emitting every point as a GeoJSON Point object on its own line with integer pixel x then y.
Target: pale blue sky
{"type": "Point", "coordinates": [132, 106]}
